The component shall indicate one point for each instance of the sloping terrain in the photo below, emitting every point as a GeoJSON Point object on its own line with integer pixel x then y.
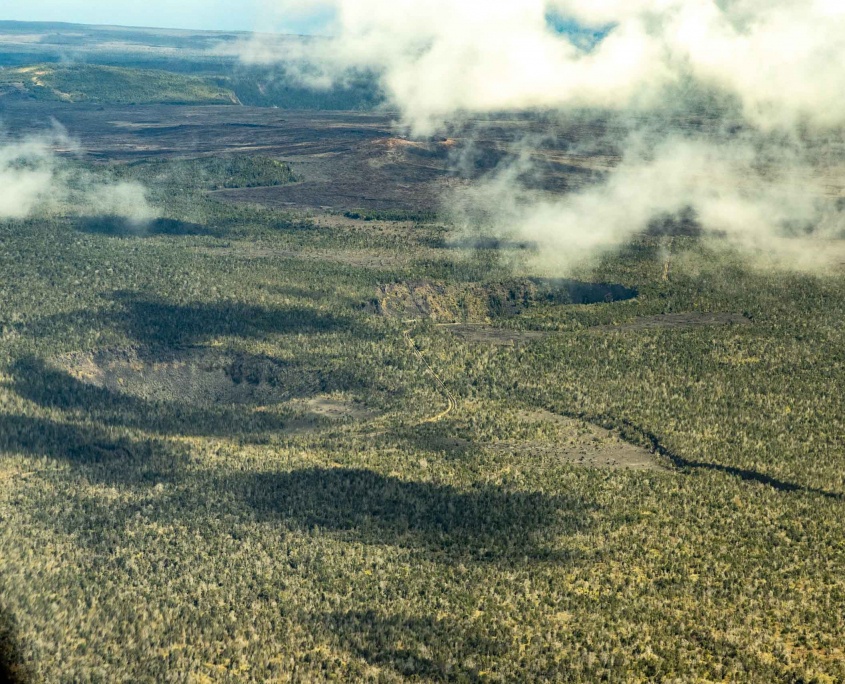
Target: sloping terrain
{"type": "Point", "coordinates": [213, 55]}
{"type": "Point", "coordinates": [109, 85]}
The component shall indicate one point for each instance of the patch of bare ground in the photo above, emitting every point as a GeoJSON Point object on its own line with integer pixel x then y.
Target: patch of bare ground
{"type": "Point", "coordinates": [677, 320]}
{"type": "Point", "coordinates": [336, 409]}
{"type": "Point", "coordinates": [565, 441]}
{"type": "Point", "coordinates": [578, 443]}
{"type": "Point", "coordinates": [193, 376]}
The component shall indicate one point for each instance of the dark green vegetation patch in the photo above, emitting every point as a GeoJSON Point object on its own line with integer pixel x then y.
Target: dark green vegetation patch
{"type": "Point", "coordinates": [210, 173]}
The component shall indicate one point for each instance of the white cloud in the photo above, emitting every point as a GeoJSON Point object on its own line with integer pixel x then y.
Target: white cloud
{"type": "Point", "coordinates": [779, 63]}
{"type": "Point", "coordinates": [33, 180]}
{"type": "Point", "coordinates": [26, 176]}
{"type": "Point", "coordinates": [734, 191]}
{"type": "Point", "coordinates": [783, 59]}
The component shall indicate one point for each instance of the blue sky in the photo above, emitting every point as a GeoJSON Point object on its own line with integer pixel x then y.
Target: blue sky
{"type": "Point", "coordinates": [224, 15]}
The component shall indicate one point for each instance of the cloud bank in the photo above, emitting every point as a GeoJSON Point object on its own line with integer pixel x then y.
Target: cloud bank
{"type": "Point", "coordinates": [777, 66]}
{"type": "Point", "coordinates": [734, 191]}
{"type": "Point", "coordinates": [35, 181]}
{"type": "Point", "coordinates": [784, 60]}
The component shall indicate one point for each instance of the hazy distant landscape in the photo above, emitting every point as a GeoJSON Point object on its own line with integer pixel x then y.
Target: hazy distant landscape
{"type": "Point", "coordinates": [74, 55]}
{"type": "Point", "coordinates": [289, 392]}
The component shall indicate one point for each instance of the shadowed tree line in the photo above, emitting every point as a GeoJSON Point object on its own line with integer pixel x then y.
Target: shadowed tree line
{"type": "Point", "coordinates": [742, 473]}
{"type": "Point", "coordinates": [13, 667]}
{"type": "Point", "coordinates": [157, 323]}
{"type": "Point", "coordinates": [119, 226]}
{"type": "Point", "coordinates": [53, 388]}
{"type": "Point", "coordinates": [486, 522]}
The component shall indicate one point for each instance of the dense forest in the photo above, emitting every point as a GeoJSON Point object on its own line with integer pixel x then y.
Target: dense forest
{"type": "Point", "coordinates": [270, 412]}
{"type": "Point", "coordinates": [228, 455]}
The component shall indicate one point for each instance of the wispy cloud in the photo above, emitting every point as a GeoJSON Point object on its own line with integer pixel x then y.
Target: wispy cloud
{"type": "Point", "coordinates": [34, 179]}
{"type": "Point", "coordinates": [774, 66]}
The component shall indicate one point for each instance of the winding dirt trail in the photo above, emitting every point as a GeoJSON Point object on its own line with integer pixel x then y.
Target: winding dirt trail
{"type": "Point", "coordinates": [450, 398]}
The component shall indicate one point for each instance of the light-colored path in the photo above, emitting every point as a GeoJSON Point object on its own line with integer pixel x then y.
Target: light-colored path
{"type": "Point", "coordinates": [450, 398]}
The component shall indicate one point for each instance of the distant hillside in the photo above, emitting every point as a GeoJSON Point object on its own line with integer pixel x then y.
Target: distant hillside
{"type": "Point", "coordinates": [211, 56]}
{"type": "Point", "coordinates": [111, 85]}
{"type": "Point", "coordinates": [72, 41]}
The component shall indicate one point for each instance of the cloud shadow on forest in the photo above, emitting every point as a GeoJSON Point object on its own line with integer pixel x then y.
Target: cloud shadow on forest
{"type": "Point", "coordinates": [412, 646]}
{"type": "Point", "coordinates": [485, 522]}
{"type": "Point", "coordinates": [53, 388]}
{"type": "Point", "coordinates": [119, 226]}
{"type": "Point", "coordinates": [13, 667]}
{"type": "Point", "coordinates": [157, 323]}
{"type": "Point", "coordinates": [117, 458]}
